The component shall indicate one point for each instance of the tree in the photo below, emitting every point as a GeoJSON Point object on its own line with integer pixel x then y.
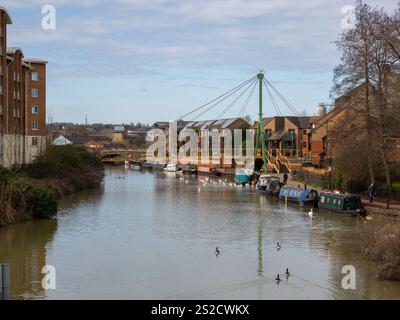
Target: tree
{"type": "Point", "coordinates": [369, 58]}
{"type": "Point", "coordinates": [356, 46]}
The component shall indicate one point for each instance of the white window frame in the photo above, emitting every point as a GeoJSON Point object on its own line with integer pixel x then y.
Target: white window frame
{"type": "Point", "coordinates": [35, 92]}
{"type": "Point", "coordinates": [36, 74]}
{"type": "Point", "coordinates": [35, 106]}
{"type": "Point", "coordinates": [35, 127]}
{"type": "Point", "coordinates": [36, 141]}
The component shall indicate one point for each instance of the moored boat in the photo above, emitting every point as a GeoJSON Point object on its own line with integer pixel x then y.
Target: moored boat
{"type": "Point", "coordinates": [269, 184]}
{"type": "Point", "coordinates": [208, 171]}
{"type": "Point", "coordinates": [158, 166]}
{"type": "Point", "coordinates": [135, 164]}
{"type": "Point", "coordinates": [171, 167]}
{"type": "Point", "coordinates": [341, 203]}
{"type": "Point", "coordinates": [147, 165]}
{"type": "Point", "coordinates": [304, 197]}
{"type": "Point", "coordinates": [243, 175]}
{"type": "Point", "coordinates": [189, 169]}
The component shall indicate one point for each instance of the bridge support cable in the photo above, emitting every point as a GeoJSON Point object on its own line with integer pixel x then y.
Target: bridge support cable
{"type": "Point", "coordinates": [243, 109]}
{"type": "Point", "coordinates": [275, 105]}
{"type": "Point", "coordinates": [283, 98]}
{"type": "Point", "coordinates": [219, 97]}
{"type": "Point", "coordinates": [236, 99]}
{"type": "Point", "coordinates": [227, 96]}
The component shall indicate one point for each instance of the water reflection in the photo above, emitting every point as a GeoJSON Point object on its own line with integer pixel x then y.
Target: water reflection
{"type": "Point", "coordinates": [146, 235]}
{"type": "Point", "coordinates": [25, 248]}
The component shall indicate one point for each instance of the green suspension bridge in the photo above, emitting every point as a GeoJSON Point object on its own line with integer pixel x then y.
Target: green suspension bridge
{"type": "Point", "coordinates": [241, 95]}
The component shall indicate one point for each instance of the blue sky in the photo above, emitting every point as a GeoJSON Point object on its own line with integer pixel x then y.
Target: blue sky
{"type": "Point", "coordinates": [127, 61]}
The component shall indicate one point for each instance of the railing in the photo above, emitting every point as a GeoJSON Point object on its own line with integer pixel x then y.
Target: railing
{"type": "Point", "coordinates": [272, 161]}
{"type": "Point", "coordinates": [284, 160]}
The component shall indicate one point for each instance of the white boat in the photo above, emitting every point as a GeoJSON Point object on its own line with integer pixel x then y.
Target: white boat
{"type": "Point", "coordinates": [171, 167]}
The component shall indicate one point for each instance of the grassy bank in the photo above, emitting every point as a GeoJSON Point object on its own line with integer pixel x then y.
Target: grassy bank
{"type": "Point", "coordinates": [32, 191]}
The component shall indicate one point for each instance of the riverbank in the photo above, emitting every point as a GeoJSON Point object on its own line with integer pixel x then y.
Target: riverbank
{"type": "Point", "coordinates": [32, 191]}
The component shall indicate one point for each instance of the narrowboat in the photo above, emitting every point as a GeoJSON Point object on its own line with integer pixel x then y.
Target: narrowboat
{"type": "Point", "coordinates": [341, 203]}
{"type": "Point", "coordinates": [243, 175]}
{"type": "Point", "coordinates": [190, 169]}
{"type": "Point", "coordinates": [208, 171]}
{"type": "Point", "coordinates": [135, 164]}
{"type": "Point", "coordinates": [158, 166]}
{"type": "Point", "coordinates": [171, 167]}
{"type": "Point", "coordinates": [304, 197]}
{"type": "Point", "coordinates": [269, 184]}
{"type": "Point", "coordinates": [147, 165]}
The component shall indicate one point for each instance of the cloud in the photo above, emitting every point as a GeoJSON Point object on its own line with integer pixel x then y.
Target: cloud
{"type": "Point", "coordinates": [124, 35]}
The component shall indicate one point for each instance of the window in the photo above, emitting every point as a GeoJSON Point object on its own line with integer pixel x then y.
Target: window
{"type": "Point", "coordinates": [35, 125]}
{"type": "Point", "coordinates": [35, 76]}
{"type": "Point", "coordinates": [35, 109]}
{"type": "Point", "coordinates": [35, 92]}
{"type": "Point", "coordinates": [15, 94]}
{"type": "Point", "coordinates": [1, 109]}
{"type": "Point", "coordinates": [34, 141]}
{"type": "Point", "coordinates": [15, 76]}
{"type": "Point", "coordinates": [1, 90]}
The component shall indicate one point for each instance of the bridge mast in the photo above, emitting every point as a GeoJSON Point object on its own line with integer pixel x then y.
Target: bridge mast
{"type": "Point", "coordinates": [260, 131]}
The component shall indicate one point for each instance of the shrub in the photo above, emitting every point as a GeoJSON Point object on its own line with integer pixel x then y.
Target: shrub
{"type": "Point", "coordinates": [61, 162]}
{"type": "Point", "coordinates": [380, 242]}
{"type": "Point", "coordinates": [44, 203]}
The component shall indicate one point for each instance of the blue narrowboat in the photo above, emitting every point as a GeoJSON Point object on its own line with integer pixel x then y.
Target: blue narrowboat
{"type": "Point", "coordinates": [304, 197]}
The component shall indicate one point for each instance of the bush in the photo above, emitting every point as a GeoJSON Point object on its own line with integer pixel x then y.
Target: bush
{"type": "Point", "coordinates": [61, 162]}
{"type": "Point", "coordinates": [44, 203]}
{"type": "Point", "coordinates": [380, 242]}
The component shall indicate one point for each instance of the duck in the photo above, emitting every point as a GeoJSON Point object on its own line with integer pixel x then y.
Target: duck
{"type": "Point", "coordinates": [217, 252]}
{"type": "Point", "coordinates": [278, 246]}
{"type": "Point", "coordinates": [287, 273]}
{"type": "Point", "coordinates": [277, 279]}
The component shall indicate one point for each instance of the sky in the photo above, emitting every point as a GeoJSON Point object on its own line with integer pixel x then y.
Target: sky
{"type": "Point", "coordinates": [126, 61]}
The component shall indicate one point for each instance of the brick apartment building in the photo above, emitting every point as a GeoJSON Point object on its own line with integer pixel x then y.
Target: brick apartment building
{"type": "Point", "coordinates": [22, 102]}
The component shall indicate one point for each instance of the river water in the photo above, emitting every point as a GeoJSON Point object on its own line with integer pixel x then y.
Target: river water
{"type": "Point", "coordinates": [145, 235]}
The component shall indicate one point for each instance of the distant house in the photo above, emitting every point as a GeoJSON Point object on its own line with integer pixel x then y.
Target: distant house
{"type": "Point", "coordinates": [119, 128]}
{"type": "Point", "coordinates": [78, 140]}
{"type": "Point", "coordinates": [61, 141]}
{"type": "Point", "coordinates": [93, 145]}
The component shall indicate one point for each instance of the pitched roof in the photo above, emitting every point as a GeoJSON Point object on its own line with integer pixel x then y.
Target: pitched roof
{"type": "Point", "coordinates": [214, 124]}
{"type": "Point", "coordinates": [13, 50]}
{"type": "Point", "coordinates": [300, 122]}
{"type": "Point", "coordinates": [8, 18]}
{"type": "Point", "coordinates": [78, 139]}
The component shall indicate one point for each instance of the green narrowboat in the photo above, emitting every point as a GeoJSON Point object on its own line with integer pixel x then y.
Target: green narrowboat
{"type": "Point", "coordinates": [341, 203]}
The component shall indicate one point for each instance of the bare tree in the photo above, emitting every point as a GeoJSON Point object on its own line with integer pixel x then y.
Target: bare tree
{"type": "Point", "coordinates": [356, 47]}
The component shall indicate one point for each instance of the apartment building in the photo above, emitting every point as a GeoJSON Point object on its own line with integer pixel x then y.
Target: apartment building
{"type": "Point", "coordinates": [22, 102]}
{"type": "Point", "coordinates": [289, 136]}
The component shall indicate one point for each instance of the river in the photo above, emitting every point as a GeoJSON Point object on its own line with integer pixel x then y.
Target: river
{"type": "Point", "coordinates": [145, 235]}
